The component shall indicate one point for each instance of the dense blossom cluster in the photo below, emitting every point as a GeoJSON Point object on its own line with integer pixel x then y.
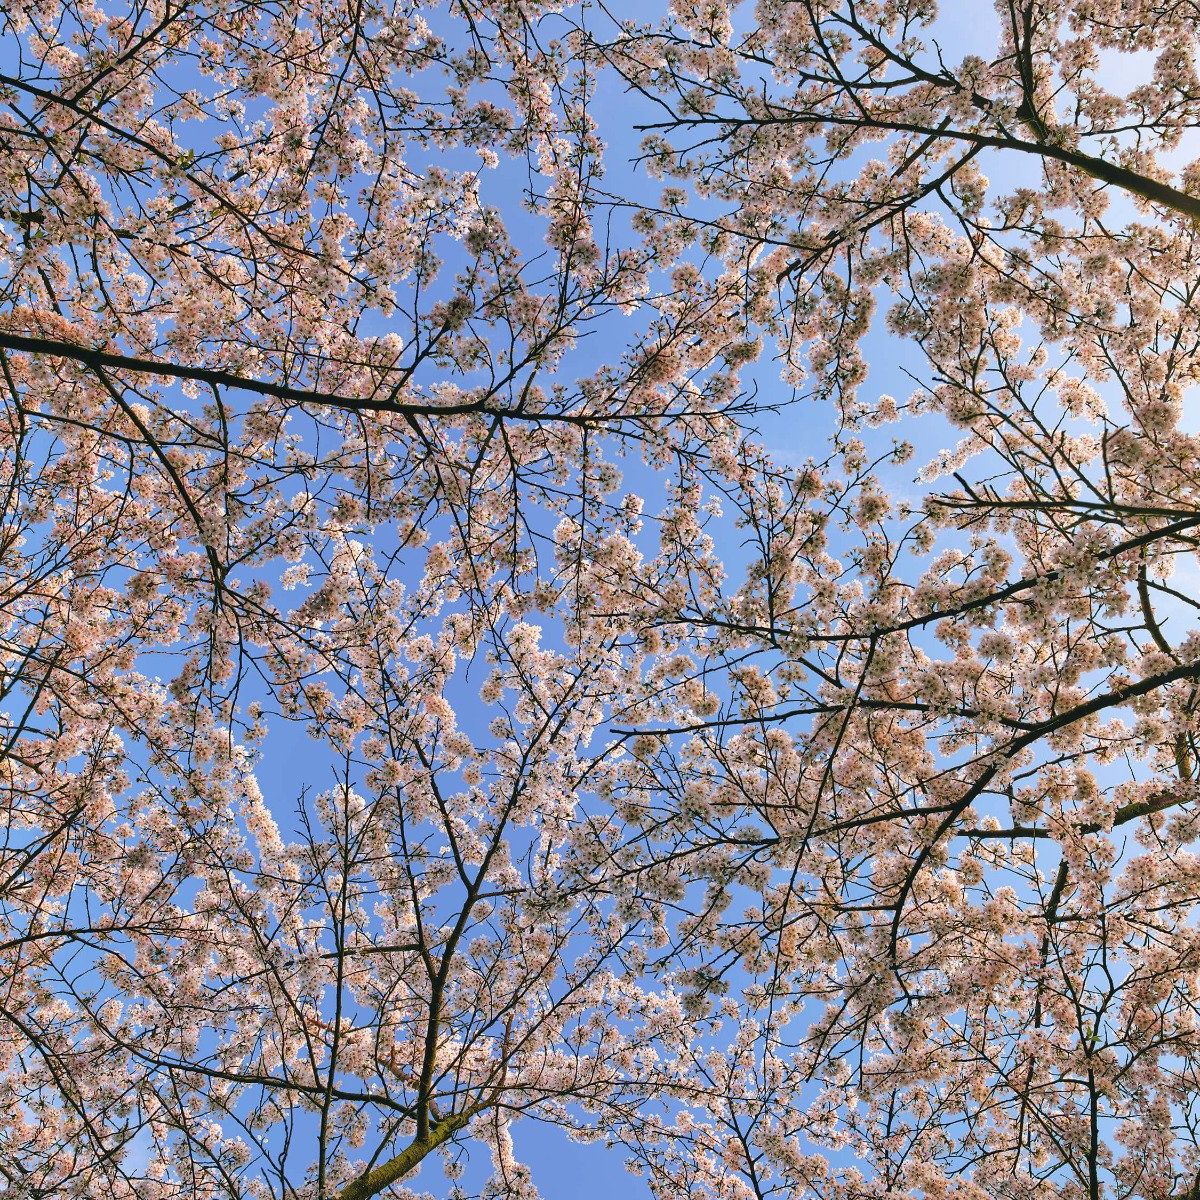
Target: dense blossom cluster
{"type": "Point", "coordinates": [427, 705]}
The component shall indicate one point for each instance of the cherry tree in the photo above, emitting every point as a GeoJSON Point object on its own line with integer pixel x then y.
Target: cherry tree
{"type": "Point", "coordinates": [301, 433]}
{"type": "Point", "coordinates": [818, 828]}
{"type": "Point", "coordinates": [956, 770]}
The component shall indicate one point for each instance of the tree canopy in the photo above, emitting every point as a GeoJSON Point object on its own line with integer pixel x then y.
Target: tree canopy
{"type": "Point", "coordinates": [477, 647]}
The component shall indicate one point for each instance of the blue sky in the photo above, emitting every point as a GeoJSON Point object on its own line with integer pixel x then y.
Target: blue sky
{"type": "Point", "coordinates": [564, 1170]}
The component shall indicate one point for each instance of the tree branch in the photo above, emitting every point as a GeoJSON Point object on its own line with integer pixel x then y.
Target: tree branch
{"type": "Point", "coordinates": [371, 1183]}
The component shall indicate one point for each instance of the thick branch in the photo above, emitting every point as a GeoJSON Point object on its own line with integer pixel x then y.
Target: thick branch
{"type": "Point", "coordinates": [372, 1182]}
{"type": "Point", "coordinates": [1136, 184]}
{"type": "Point", "coordinates": [214, 377]}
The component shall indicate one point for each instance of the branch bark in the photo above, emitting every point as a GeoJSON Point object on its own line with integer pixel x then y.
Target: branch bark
{"type": "Point", "coordinates": [372, 1182]}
